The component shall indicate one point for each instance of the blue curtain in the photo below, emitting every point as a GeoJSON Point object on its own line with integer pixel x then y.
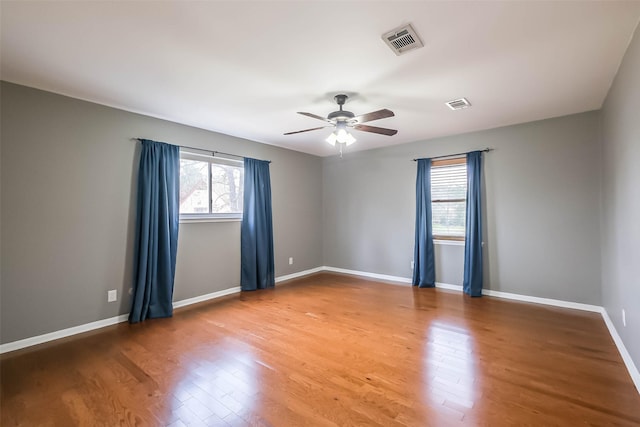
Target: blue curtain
{"type": "Point", "coordinates": [257, 269]}
{"type": "Point", "coordinates": [424, 270]}
{"type": "Point", "coordinates": [472, 283]}
{"type": "Point", "coordinates": [156, 240]}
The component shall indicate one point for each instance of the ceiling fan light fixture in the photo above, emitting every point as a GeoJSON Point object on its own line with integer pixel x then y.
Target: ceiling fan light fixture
{"type": "Point", "coordinates": [331, 139]}
{"type": "Point", "coordinates": [349, 139]}
{"type": "Point", "coordinates": [341, 135]}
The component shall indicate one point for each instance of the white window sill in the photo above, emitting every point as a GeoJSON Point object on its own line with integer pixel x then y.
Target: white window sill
{"type": "Point", "coordinates": [449, 242]}
{"type": "Point", "coordinates": [194, 220]}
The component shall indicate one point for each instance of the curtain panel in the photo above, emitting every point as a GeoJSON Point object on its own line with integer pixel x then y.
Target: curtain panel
{"type": "Point", "coordinates": [156, 239]}
{"type": "Point", "coordinates": [256, 245]}
{"type": "Point", "coordinates": [472, 283]}
{"type": "Point", "coordinates": [424, 270]}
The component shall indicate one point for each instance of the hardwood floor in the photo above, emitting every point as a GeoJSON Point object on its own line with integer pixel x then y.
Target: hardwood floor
{"type": "Point", "coordinates": [331, 350]}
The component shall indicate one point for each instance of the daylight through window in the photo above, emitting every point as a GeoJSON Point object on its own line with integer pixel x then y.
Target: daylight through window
{"type": "Point", "coordinates": [448, 198]}
{"type": "Point", "coordinates": [210, 187]}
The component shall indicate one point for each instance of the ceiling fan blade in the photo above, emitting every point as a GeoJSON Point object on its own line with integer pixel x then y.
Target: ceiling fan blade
{"type": "Point", "coordinates": [374, 129]}
{"type": "Point", "coordinates": [374, 115]}
{"type": "Point", "coordinates": [306, 130]}
{"type": "Point", "coordinates": [314, 116]}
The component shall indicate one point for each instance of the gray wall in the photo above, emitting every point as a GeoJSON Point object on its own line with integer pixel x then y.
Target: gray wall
{"type": "Point", "coordinates": [542, 202]}
{"type": "Point", "coordinates": [621, 200]}
{"type": "Point", "coordinates": [68, 172]}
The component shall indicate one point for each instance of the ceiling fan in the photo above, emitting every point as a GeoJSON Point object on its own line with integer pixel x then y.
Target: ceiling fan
{"type": "Point", "coordinates": [342, 120]}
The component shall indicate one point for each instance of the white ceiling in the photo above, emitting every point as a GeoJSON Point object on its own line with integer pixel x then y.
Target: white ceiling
{"type": "Point", "coordinates": [245, 68]}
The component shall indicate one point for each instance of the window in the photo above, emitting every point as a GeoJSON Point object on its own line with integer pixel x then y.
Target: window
{"type": "Point", "coordinates": [448, 198]}
{"type": "Point", "coordinates": [210, 187]}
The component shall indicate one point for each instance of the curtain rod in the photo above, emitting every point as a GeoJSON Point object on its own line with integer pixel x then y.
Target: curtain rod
{"type": "Point", "coordinates": [213, 152]}
{"type": "Point", "coordinates": [453, 155]}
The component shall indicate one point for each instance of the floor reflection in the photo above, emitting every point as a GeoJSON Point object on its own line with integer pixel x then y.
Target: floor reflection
{"type": "Point", "coordinates": [219, 386]}
{"type": "Point", "coordinates": [449, 367]}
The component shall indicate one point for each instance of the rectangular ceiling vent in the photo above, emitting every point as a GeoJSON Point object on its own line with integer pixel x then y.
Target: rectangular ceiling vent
{"type": "Point", "coordinates": [458, 104]}
{"type": "Point", "coordinates": [402, 39]}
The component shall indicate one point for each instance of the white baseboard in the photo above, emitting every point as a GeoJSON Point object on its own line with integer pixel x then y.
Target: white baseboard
{"type": "Point", "coordinates": [206, 297]}
{"type": "Point", "coordinates": [544, 301]}
{"type": "Point", "coordinates": [626, 357]}
{"type": "Point", "coordinates": [63, 333]}
{"type": "Point", "coordinates": [298, 274]}
{"type": "Point", "coordinates": [397, 279]}
{"type": "Point", "coordinates": [449, 286]}
{"type": "Point", "coordinates": [488, 292]}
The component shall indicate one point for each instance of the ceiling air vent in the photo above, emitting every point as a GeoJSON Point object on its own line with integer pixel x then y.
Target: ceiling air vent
{"type": "Point", "coordinates": [458, 104]}
{"type": "Point", "coordinates": [402, 39]}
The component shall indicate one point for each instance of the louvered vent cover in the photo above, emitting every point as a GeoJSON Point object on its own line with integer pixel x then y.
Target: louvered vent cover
{"type": "Point", "coordinates": [458, 104]}
{"type": "Point", "coordinates": [402, 39]}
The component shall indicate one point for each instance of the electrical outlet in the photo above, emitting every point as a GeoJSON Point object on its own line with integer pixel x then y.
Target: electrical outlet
{"type": "Point", "coordinates": [412, 265]}
{"type": "Point", "coordinates": [624, 318]}
{"type": "Point", "coordinates": [290, 260]}
{"type": "Point", "coordinates": [112, 295]}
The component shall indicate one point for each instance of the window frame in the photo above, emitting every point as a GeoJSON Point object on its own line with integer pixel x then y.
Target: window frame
{"type": "Point", "coordinates": [443, 163]}
{"type": "Point", "coordinates": [211, 160]}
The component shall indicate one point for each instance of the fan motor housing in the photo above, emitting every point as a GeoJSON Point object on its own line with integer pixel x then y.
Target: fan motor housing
{"type": "Point", "coordinates": [341, 115]}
